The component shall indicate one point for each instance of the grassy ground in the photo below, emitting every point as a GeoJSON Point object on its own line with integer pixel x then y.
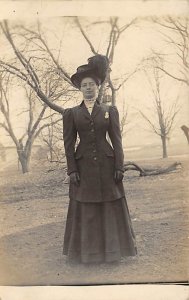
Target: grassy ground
{"type": "Point", "coordinates": [33, 214]}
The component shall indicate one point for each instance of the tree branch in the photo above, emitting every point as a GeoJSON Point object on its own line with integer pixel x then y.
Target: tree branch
{"type": "Point", "coordinates": [173, 76]}
{"type": "Point", "coordinates": [85, 36]}
{"type": "Point", "coordinates": [46, 125]}
{"type": "Point", "coordinates": [150, 122]}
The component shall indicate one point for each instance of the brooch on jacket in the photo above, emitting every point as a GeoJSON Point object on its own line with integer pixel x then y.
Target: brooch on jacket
{"type": "Point", "coordinates": [106, 116]}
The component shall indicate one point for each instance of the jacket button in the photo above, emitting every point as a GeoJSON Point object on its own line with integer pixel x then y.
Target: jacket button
{"type": "Point", "coordinates": [94, 150]}
{"type": "Point", "coordinates": [95, 158]}
{"type": "Point", "coordinates": [92, 130]}
{"type": "Point", "coordinates": [92, 122]}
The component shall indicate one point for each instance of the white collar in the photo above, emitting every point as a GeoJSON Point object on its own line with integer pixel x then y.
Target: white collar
{"type": "Point", "coordinates": [89, 102]}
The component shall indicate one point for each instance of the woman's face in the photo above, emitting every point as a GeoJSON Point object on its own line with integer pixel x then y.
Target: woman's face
{"type": "Point", "coordinates": [89, 88]}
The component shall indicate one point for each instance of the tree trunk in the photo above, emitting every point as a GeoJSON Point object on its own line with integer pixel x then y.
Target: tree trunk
{"type": "Point", "coordinates": [24, 160]}
{"type": "Point", "coordinates": [113, 97]}
{"type": "Point", "coordinates": [164, 146]}
{"type": "Point", "coordinates": [24, 164]}
{"type": "Point", "coordinates": [101, 93]}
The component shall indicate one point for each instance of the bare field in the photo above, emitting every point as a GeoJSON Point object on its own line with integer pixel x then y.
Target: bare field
{"type": "Point", "coordinates": [33, 215]}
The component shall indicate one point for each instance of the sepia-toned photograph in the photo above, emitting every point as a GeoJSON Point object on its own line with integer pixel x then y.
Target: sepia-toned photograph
{"type": "Point", "coordinates": [94, 148]}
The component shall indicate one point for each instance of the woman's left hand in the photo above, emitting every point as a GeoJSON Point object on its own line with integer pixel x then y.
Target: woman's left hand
{"type": "Point", "coordinates": [118, 176]}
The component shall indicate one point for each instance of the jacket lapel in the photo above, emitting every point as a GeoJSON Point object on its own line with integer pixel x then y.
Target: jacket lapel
{"type": "Point", "coordinates": [85, 110]}
{"type": "Point", "coordinates": [95, 111]}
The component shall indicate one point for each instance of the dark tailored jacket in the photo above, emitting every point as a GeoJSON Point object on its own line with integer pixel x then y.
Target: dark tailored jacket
{"type": "Point", "coordinates": [94, 158]}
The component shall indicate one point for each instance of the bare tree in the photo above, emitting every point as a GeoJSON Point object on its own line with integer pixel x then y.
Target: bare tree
{"type": "Point", "coordinates": [175, 31]}
{"type": "Point", "coordinates": [29, 67]}
{"type": "Point", "coordinates": [163, 122]}
{"type": "Point", "coordinates": [52, 135]}
{"type": "Point", "coordinates": [34, 62]}
{"type": "Point", "coordinates": [28, 61]}
{"type": "Point", "coordinates": [35, 65]}
{"type": "Point", "coordinates": [35, 124]}
{"type": "Point", "coordinates": [115, 32]}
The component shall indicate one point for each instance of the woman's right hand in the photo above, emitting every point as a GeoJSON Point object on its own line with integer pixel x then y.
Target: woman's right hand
{"type": "Point", "coordinates": [118, 176]}
{"type": "Point", "coordinates": [75, 178]}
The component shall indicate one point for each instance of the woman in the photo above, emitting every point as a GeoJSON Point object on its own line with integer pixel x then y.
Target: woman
{"type": "Point", "coordinates": [98, 227]}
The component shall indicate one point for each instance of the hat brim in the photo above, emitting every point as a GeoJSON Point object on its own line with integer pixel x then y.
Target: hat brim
{"type": "Point", "coordinates": [79, 76]}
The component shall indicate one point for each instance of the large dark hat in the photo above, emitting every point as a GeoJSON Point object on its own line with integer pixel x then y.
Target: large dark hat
{"type": "Point", "coordinates": [96, 68]}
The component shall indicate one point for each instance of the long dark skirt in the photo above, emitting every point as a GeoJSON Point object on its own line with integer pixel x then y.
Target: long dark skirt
{"type": "Point", "coordinates": [98, 232]}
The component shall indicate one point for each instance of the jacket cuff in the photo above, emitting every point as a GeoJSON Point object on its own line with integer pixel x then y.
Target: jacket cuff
{"type": "Point", "coordinates": [119, 163]}
{"type": "Point", "coordinates": [71, 165]}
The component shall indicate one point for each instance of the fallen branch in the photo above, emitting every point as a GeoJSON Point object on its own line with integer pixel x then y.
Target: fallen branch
{"type": "Point", "coordinates": [131, 166]}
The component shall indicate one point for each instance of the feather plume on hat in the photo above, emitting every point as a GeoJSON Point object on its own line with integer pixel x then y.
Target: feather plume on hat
{"type": "Point", "coordinates": [100, 63]}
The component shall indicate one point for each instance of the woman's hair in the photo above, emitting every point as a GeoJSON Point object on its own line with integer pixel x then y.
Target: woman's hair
{"type": "Point", "coordinates": [95, 78]}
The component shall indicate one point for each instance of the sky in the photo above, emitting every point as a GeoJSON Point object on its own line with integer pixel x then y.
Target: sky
{"type": "Point", "coordinates": [135, 44]}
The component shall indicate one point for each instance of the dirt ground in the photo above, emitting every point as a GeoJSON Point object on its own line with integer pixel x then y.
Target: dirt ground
{"type": "Point", "coordinates": [33, 210]}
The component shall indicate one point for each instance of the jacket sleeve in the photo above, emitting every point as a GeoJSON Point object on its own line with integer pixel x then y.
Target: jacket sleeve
{"type": "Point", "coordinates": [69, 136]}
{"type": "Point", "coordinates": [115, 137]}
